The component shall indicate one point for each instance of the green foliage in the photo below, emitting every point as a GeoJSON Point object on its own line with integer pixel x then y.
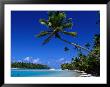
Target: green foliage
{"type": "Point", "coordinates": [89, 63]}
{"type": "Point", "coordinates": [70, 33]}
{"type": "Point", "coordinates": [96, 40]}
{"type": "Point", "coordinates": [57, 22]}
{"type": "Point", "coordinates": [43, 21]}
{"type": "Point", "coordinates": [66, 66]}
{"type": "Point", "coordinates": [43, 33]}
{"type": "Point", "coordinates": [87, 45]}
{"type": "Point", "coordinates": [28, 65]}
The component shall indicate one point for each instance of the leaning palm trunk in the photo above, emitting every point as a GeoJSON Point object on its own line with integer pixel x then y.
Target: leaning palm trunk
{"type": "Point", "coordinates": [58, 23]}
{"type": "Point", "coordinates": [78, 46]}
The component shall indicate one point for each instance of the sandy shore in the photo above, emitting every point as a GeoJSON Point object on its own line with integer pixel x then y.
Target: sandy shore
{"type": "Point", "coordinates": [15, 68]}
{"type": "Point", "coordinates": [83, 74]}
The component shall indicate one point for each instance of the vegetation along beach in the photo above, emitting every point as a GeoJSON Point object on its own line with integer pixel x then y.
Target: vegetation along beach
{"type": "Point", "coordinates": [55, 44]}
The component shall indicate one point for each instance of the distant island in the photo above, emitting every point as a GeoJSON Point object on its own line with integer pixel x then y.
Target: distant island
{"type": "Point", "coordinates": [28, 65]}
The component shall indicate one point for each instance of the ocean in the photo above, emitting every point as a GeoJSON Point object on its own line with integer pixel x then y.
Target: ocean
{"type": "Point", "coordinates": [43, 73]}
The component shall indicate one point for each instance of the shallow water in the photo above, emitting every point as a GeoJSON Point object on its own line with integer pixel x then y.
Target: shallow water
{"type": "Point", "coordinates": [43, 73]}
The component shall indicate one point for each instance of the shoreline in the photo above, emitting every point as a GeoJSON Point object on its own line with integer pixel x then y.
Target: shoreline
{"type": "Point", "coordinates": [24, 69]}
{"type": "Point", "coordinates": [84, 74]}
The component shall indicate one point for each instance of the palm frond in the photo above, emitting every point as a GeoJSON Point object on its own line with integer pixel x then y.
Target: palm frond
{"type": "Point", "coordinates": [43, 21]}
{"type": "Point", "coordinates": [68, 25]}
{"type": "Point", "coordinates": [49, 38]}
{"type": "Point", "coordinates": [43, 33]}
{"type": "Point", "coordinates": [62, 15]}
{"type": "Point", "coordinates": [70, 33]}
{"type": "Point", "coordinates": [69, 19]}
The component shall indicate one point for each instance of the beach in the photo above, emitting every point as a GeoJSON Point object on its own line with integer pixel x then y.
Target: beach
{"type": "Point", "coordinates": [43, 73]}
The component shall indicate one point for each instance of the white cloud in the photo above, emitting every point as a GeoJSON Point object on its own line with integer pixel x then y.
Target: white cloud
{"type": "Point", "coordinates": [19, 61]}
{"type": "Point", "coordinates": [37, 60]}
{"type": "Point", "coordinates": [61, 59]}
{"type": "Point", "coordinates": [66, 61]}
{"type": "Point", "coordinates": [28, 59]}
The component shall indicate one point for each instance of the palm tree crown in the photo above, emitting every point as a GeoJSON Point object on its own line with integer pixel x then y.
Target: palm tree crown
{"type": "Point", "coordinates": [58, 23]}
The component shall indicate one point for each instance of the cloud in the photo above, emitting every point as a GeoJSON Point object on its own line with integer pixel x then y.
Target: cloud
{"type": "Point", "coordinates": [36, 60]}
{"type": "Point", "coordinates": [19, 61]}
{"type": "Point", "coordinates": [28, 59]}
{"type": "Point", "coordinates": [32, 60]}
{"type": "Point", "coordinates": [67, 61]}
{"type": "Point", "coordinates": [61, 59]}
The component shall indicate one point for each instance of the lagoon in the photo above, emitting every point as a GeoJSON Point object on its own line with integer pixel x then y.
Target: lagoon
{"type": "Point", "coordinates": [43, 73]}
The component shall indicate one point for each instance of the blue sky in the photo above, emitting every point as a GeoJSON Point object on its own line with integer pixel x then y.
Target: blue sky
{"type": "Point", "coordinates": [26, 47]}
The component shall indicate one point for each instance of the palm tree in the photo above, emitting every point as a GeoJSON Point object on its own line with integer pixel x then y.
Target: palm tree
{"type": "Point", "coordinates": [87, 45]}
{"type": "Point", "coordinates": [57, 24]}
{"type": "Point", "coordinates": [97, 40]}
{"type": "Point", "coordinates": [66, 49]}
{"type": "Point", "coordinates": [76, 62]}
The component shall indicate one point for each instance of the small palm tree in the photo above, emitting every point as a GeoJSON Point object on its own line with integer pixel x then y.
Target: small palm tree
{"type": "Point", "coordinates": [57, 24]}
{"type": "Point", "coordinates": [97, 40]}
{"type": "Point", "coordinates": [66, 49]}
{"type": "Point", "coordinates": [87, 45]}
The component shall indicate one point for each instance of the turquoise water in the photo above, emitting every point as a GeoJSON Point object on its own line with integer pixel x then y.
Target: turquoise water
{"type": "Point", "coordinates": [43, 73]}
